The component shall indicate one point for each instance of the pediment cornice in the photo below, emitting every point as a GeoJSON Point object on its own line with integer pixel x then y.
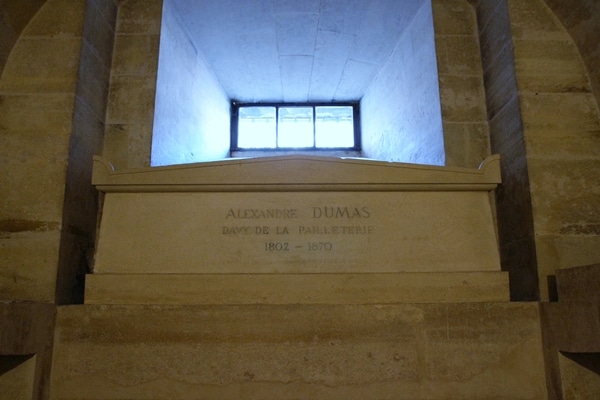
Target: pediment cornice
{"type": "Point", "coordinates": [296, 173]}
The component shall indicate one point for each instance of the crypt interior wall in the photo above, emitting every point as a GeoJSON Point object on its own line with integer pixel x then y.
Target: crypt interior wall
{"type": "Point", "coordinates": [529, 93]}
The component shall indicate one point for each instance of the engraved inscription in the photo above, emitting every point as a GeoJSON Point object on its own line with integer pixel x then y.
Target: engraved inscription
{"type": "Point", "coordinates": [341, 212]}
{"type": "Point", "coordinates": [300, 227]}
{"type": "Point", "coordinates": [335, 230]}
{"type": "Point", "coordinates": [245, 230]}
{"type": "Point", "coordinates": [277, 246]}
{"type": "Point", "coordinates": [269, 213]}
{"type": "Point", "coordinates": [319, 246]}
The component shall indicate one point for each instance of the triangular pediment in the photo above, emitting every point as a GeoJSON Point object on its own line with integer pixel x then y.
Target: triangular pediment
{"type": "Point", "coordinates": [296, 172]}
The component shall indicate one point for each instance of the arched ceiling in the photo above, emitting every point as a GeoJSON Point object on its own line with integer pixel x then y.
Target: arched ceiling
{"type": "Point", "coordinates": [295, 51]}
{"type": "Point", "coordinates": [580, 17]}
{"type": "Point", "coordinates": [14, 17]}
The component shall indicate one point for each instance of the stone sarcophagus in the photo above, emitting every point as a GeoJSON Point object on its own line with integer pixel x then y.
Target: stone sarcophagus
{"type": "Point", "coordinates": [297, 277]}
{"type": "Point", "coordinates": [297, 229]}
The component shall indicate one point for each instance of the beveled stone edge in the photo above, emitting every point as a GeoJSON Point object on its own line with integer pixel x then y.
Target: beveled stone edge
{"type": "Point", "coordinates": [296, 173]}
{"type": "Point", "coordinates": [342, 288]}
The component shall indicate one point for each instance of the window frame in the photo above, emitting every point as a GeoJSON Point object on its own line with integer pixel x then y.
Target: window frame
{"type": "Point", "coordinates": [236, 150]}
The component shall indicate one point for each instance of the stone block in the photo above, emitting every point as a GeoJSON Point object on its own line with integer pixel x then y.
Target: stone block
{"type": "Point", "coordinates": [308, 224]}
{"type": "Point", "coordinates": [369, 288]}
{"type": "Point", "coordinates": [533, 20]}
{"type": "Point", "coordinates": [37, 115]}
{"type": "Point", "coordinates": [133, 227]}
{"type": "Point", "coordinates": [58, 18]}
{"type": "Point", "coordinates": [409, 351]}
{"type": "Point", "coordinates": [33, 192]}
{"type": "Point", "coordinates": [550, 66]}
{"type": "Point", "coordinates": [28, 262]}
{"type": "Point", "coordinates": [572, 346]}
{"type": "Point", "coordinates": [466, 144]}
{"type": "Point", "coordinates": [136, 55]}
{"type": "Point", "coordinates": [554, 111]}
{"type": "Point", "coordinates": [116, 146]}
{"type": "Point", "coordinates": [26, 334]}
{"type": "Point", "coordinates": [461, 98]}
{"type": "Point", "coordinates": [579, 283]}
{"type": "Point", "coordinates": [26, 328]}
{"type": "Point", "coordinates": [131, 100]}
{"type": "Point", "coordinates": [556, 252]}
{"type": "Point", "coordinates": [140, 16]}
{"type": "Point", "coordinates": [564, 196]}
{"type": "Point", "coordinates": [43, 65]}
{"type": "Point", "coordinates": [454, 17]}
{"type": "Point", "coordinates": [463, 55]}
{"type": "Point", "coordinates": [579, 376]}
{"type": "Point", "coordinates": [18, 375]}
{"type": "Point", "coordinates": [128, 145]}
{"type": "Point", "coordinates": [573, 326]}
{"type": "Point", "coordinates": [559, 145]}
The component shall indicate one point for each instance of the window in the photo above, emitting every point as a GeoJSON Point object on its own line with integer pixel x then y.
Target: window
{"type": "Point", "coordinates": [266, 128]}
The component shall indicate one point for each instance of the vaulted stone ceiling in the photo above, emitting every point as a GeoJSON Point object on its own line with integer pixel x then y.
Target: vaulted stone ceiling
{"type": "Point", "coordinates": [295, 50]}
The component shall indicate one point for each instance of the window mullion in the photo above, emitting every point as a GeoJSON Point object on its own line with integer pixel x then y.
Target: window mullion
{"type": "Point", "coordinates": [276, 127]}
{"type": "Point", "coordinates": [314, 126]}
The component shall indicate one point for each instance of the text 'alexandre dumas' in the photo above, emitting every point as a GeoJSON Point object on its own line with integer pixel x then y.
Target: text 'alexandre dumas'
{"type": "Point", "coordinates": [292, 213]}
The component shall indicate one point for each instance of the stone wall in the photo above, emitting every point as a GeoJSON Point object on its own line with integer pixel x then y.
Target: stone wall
{"type": "Point", "coordinates": [87, 133]}
{"type": "Point", "coordinates": [37, 102]}
{"type": "Point", "coordinates": [542, 102]}
{"type": "Point", "coordinates": [53, 94]}
{"type": "Point", "coordinates": [130, 113]}
{"type": "Point", "coordinates": [14, 16]}
{"type": "Point", "coordinates": [513, 201]}
{"type": "Point", "coordinates": [581, 18]}
{"type": "Point", "coordinates": [191, 118]}
{"type": "Point", "coordinates": [26, 333]}
{"type": "Point", "coordinates": [561, 127]}
{"type": "Point", "coordinates": [299, 351]}
{"type": "Point", "coordinates": [400, 111]}
{"type": "Point", "coordinates": [544, 122]}
{"type": "Point", "coordinates": [466, 133]}
{"type": "Point", "coordinates": [53, 91]}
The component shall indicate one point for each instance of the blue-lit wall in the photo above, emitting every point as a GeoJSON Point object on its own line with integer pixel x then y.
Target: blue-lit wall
{"type": "Point", "coordinates": [191, 121]}
{"type": "Point", "coordinates": [400, 111]}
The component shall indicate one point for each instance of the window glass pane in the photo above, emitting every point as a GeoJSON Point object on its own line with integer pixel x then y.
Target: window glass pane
{"type": "Point", "coordinates": [295, 127]}
{"type": "Point", "coordinates": [334, 126]}
{"type": "Point", "coordinates": [256, 127]}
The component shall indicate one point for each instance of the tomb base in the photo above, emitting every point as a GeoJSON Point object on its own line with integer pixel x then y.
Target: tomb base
{"type": "Point", "coordinates": [341, 288]}
{"type": "Point", "coordinates": [401, 351]}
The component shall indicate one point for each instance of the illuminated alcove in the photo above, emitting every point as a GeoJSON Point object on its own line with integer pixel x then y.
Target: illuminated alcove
{"type": "Point", "coordinates": [380, 53]}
